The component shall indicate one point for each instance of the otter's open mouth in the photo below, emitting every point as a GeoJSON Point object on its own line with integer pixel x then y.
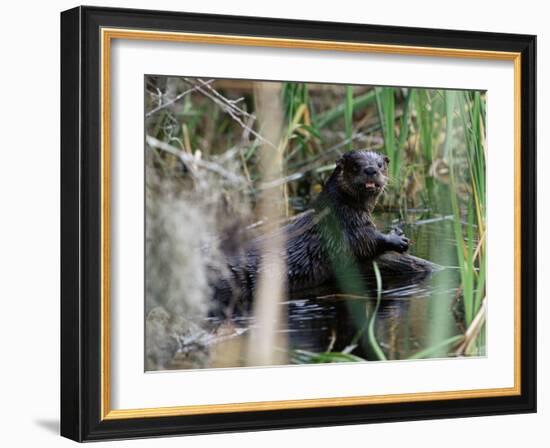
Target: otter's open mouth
{"type": "Point", "coordinates": [371, 185]}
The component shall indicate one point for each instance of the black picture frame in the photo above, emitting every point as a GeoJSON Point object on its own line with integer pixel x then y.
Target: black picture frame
{"type": "Point", "coordinates": [81, 224]}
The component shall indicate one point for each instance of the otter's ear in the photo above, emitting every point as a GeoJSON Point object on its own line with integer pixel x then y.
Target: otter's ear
{"type": "Point", "coordinates": [343, 159]}
{"type": "Point", "coordinates": [387, 160]}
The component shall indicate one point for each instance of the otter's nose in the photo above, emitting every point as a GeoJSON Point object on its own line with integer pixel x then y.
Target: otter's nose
{"type": "Point", "coordinates": [370, 170]}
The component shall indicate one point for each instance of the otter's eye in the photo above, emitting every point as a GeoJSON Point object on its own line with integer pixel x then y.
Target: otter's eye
{"type": "Point", "coordinates": [380, 164]}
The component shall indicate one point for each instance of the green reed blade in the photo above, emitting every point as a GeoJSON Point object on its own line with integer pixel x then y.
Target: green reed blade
{"type": "Point", "coordinates": [348, 116]}
{"type": "Point", "coordinates": [360, 102]}
{"type": "Point", "coordinates": [436, 349]}
{"type": "Point", "coordinates": [371, 333]}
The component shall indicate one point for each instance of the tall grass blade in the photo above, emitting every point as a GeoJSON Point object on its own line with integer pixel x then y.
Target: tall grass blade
{"type": "Point", "coordinates": [348, 116]}
{"type": "Point", "coordinates": [371, 334]}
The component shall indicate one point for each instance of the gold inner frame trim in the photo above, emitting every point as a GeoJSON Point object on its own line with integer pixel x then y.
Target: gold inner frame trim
{"type": "Point", "coordinates": [107, 35]}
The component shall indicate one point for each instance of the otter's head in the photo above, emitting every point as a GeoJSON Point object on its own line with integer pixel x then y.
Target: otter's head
{"type": "Point", "coordinates": [362, 174]}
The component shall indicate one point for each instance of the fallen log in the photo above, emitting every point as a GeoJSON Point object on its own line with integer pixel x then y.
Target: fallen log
{"type": "Point", "coordinates": [393, 264]}
{"type": "Point", "coordinates": [396, 270]}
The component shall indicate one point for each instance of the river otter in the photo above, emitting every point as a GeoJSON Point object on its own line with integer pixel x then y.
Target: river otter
{"type": "Point", "coordinates": [337, 233]}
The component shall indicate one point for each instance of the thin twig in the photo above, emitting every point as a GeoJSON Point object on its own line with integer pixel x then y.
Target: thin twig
{"type": "Point", "coordinates": [473, 330]}
{"type": "Point", "coordinates": [312, 163]}
{"type": "Point", "coordinates": [281, 181]}
{"type": "Point", "coordinates": [188, 159]}
{"type": "Point", "coordinates": [230, 103]}
{"type": "Point", "coordinates": [231, 109]}
{"type": "Point", "coordinates": [177, 98]}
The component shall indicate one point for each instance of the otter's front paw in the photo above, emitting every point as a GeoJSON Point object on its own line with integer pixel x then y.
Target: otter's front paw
{"type": "Point", "coordinates": [397, 240]}
{"type": "Point", "coordinates": [397, 230]}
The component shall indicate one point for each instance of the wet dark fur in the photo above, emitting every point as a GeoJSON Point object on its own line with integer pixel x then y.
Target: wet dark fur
{"type": "Point", "coordinates": [336, 232]}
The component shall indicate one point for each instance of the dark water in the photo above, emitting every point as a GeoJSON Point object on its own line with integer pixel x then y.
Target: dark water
{"type": "Point", "coordinates": [414, 314]}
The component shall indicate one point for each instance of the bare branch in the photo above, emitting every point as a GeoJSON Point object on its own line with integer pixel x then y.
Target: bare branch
{"type": "Point", "coordinates": [230, 103]}
{"type": "Point", "coordinates": [177, 98]}
{"type": "Point", "coordinates": [230, 108]}
{"type": "Point", "coordinates": [188, 160]}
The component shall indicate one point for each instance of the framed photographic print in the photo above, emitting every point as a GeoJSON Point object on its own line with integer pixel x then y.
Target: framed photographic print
{"type": "Point", "coordinates": [273, 224]}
